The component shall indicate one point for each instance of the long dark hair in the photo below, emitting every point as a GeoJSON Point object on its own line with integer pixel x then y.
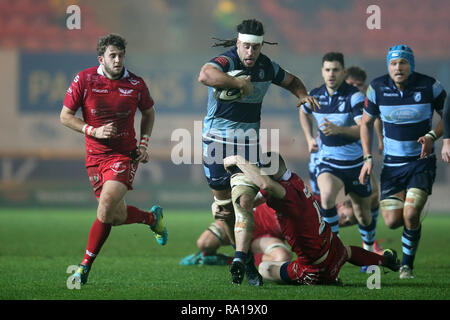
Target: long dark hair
{"type": "Point", "coordinates": [251, 26]}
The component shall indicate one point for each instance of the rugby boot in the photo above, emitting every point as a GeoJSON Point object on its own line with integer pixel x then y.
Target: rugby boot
{"type": "Point", "coordinates": [237, 271]}
{"type": "Point", "coordinates": [216, 260]}
{"type": "Point", "coordinates": [191, 259]}
{"type": "Point", "coordinates": [252, 274]}
{"type": "Point", "coordinates": [390, 259]}
{"type": "Point", "coordinates": [158, 228]}
{"type": "Point", "coordinates": [406, 272]}
{"type": "Point", "coordinates": [82, 273]}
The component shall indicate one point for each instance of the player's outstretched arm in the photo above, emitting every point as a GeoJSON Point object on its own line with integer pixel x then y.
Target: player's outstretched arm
{"type": "Point", "coordinates": [297, 88]}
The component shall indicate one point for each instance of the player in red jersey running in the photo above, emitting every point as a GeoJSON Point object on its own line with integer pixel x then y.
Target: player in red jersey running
{"type": "Point", "coordinates": [109, 96]}
{"type": "Point", "coordinates": [320, 255]}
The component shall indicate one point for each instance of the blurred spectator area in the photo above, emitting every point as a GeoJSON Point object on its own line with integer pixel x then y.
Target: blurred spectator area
{"type": "Point", "coordinates": [341, 26]}
{"type": "Point", "coordinates": [308, 27]}
{"type": "Point", "coordinates": [37, 26]}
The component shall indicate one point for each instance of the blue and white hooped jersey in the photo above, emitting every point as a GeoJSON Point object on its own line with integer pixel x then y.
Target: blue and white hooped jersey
{"type": "Point", "coordinates": [407, 115]}
{"type": "Point", "coordinates": [230, 122]}
{"type": "Point", "coordinates": [343, 108]}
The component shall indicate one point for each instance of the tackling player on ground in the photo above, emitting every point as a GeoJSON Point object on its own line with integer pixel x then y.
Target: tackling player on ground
{"type": "Point", "coordinates": [267, 242]}
{"type": "Point", "coordinates": [320, 253]}
{"type": "Point", "coordinates": [109, 96]}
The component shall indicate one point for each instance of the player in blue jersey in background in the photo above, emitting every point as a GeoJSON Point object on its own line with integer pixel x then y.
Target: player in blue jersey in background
{"type": "Point", "coordinates": [341, 156]}
{"type": "Point", "coordinates": [405, 100]}
{"type": "Point", "coordinates": [233, 128]}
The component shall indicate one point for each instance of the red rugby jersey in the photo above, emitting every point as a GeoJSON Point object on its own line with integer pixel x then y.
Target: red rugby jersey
{"type": "Point", "coordinates": [266, 222]}
{"type": "Point", "coordinates": [300, 220]}
{"type": "Point", "coordinates": [103, 101]}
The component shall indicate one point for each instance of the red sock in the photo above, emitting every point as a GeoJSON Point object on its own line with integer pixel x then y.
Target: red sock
{"type": "Point", "coordinates": [361, 257]}
{"type": "Point", "coordinates": [136, 215]}
{"type": "Point", "coordinates": [97, 237]}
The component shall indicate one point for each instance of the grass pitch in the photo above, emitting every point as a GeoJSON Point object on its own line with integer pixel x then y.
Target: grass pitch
{"type": "Point", "coordinates": [37, 246]}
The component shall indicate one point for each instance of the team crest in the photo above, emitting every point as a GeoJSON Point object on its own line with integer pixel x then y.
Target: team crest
{"type": "Point", "coordinates": [261, 74]}
{"type": "Point", "coordinates": [119, 167]}
{"type": "Point", "coordinates": [133, 81]}
{"type": "Point", "coordinates": [341, 107]}
{"type": "Point", "coordinates": [417, 96]}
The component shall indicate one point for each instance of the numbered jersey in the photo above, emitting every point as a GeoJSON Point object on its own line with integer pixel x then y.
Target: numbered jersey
{"type": "Point", "coordinates": [105, 101]}
{"type": "Point", "coordinates": [300, 220]}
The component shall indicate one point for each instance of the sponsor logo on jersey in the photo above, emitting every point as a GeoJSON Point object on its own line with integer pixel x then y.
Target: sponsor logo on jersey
{"type": "Point", "coordinates": [221, 61]}
{"type": "Point", "coordinates": [99, 90]}
{"type": "Point", "coordinates": [387, 94]}
{"type": "Point", "coordinates": [403, 114]}
{"type": "Point", "coordinates": [125, 92]}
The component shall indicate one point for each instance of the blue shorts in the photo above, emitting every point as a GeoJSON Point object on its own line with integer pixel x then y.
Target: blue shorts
{"type": "Point", "coordinates": [416, 174]}
{"type": "Point", "coordinates": [313, 182]}
{"type": "Point", "coordinates": [213, 154]}
{"type": "Point", "coordinates": [350, 178]}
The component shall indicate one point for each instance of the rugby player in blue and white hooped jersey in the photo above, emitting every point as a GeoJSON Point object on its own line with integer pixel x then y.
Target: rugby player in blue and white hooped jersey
{"type": "Point", "coordinates": [341, 154]}
{"type": "Point", "coordinates": [233, 128]}
{"type": "Point", "coordinates": [405, 101]}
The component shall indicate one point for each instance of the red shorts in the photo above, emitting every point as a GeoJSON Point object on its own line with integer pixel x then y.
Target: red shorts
{"type": "Point", "coordinates": [329, 269]}
{"type": "Point", "coordinates": [114, 167]}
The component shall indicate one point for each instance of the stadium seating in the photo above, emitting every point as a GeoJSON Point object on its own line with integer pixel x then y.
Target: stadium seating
{"type": "Point", "coordinates": [41, 26]}
{"type": "Point", "coordinates": [423, 25]}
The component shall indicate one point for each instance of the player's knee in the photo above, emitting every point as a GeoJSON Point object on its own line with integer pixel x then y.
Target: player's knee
{"type": "Point", "coordinates": [416, 198]}
{"type": "Point", "coordinates": [277, 251]}
{"type": "Point", "coordinates": [208, 245]}
{"type": "Point", "coordinates": [393, 219]}
{"type": "Point", "coordinates": [392, 211]}
{"type": "Point", "coordinates": [280, 254]}
{"type": "Point", "coordinates": [246, 202]}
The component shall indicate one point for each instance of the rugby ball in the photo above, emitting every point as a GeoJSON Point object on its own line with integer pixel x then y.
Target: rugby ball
{"type": "Point", "coordinates": [232, 94]}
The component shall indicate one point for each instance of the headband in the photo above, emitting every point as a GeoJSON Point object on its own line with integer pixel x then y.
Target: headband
{"type": "Point", "coordinates": [250, 38]}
